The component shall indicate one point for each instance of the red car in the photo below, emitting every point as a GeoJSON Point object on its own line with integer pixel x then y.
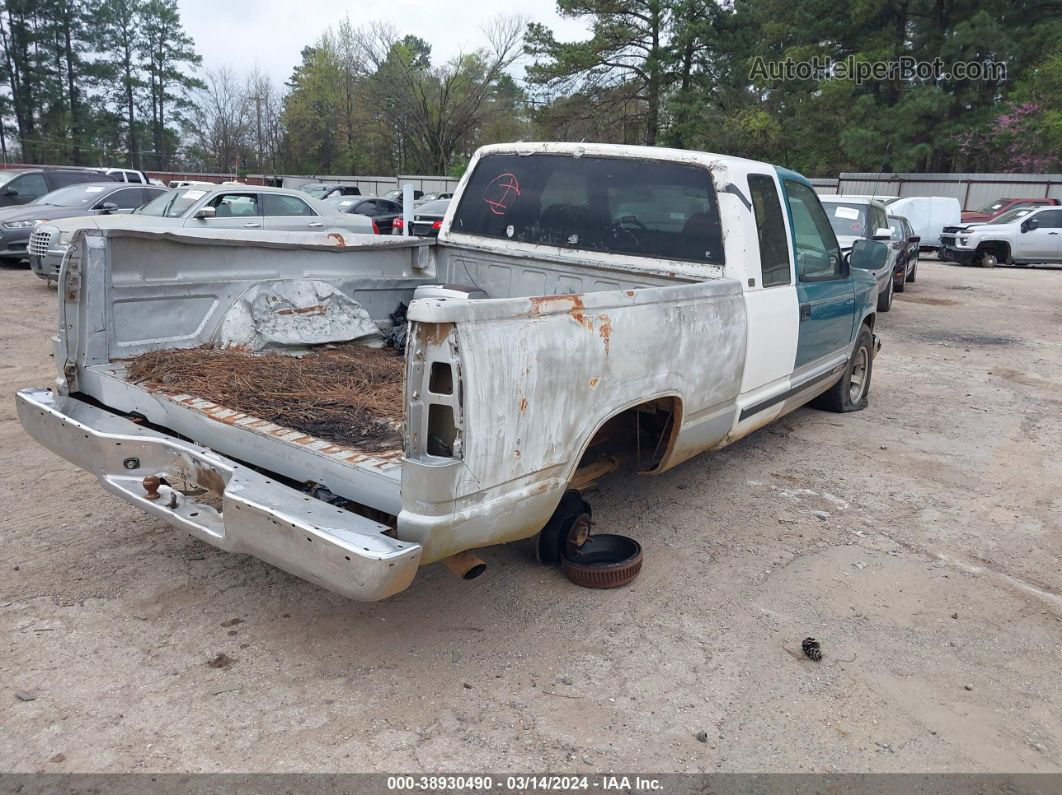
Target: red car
{"type": "Point", "coordinates": [1000, 206]}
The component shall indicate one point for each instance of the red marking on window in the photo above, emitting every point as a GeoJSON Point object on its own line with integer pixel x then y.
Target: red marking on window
{"type": "Point", "coordinates": [501, 193]}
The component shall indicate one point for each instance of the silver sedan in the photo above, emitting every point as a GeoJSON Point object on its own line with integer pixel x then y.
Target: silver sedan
{"type": "Point", "coordinates": [248, 207]}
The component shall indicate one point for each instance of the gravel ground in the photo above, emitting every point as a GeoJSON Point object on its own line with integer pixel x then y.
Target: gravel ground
{"type": "Point", "coordinates": [918, 540]}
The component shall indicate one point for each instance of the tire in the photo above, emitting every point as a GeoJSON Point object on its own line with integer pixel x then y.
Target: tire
{"type": "Point", "coordinates": [852, 390]}
{"type": "Point", "coordinates": [989, 260]}
{"type": "Point", "coordinates": [911, 275]}
{"type": "Point", "coordinates": [885, 298]}
{"type": "Point", "coordinates": [899, 286]}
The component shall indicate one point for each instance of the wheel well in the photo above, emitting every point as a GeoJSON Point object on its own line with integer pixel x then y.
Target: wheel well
{"type": "Point", "coordinates": [999, 248]}
{"type": "Point", "coordinates": [869, 321]}
{"type": "Point", "coordinates": [642, 435]}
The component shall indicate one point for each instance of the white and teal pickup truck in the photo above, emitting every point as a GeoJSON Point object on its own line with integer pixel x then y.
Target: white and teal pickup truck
{"type": "Point", "coordinates": [584, 307]}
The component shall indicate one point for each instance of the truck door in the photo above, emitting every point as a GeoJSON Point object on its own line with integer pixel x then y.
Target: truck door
{"type": "Point", "coordinates": [770, 295]}
{"type": "Point", "coordinates": [824, 287]}
{"type": "Point", "coordinates": [1040, 236]}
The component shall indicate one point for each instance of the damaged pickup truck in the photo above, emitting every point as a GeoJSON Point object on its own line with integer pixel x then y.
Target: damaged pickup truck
{"type": "Point", "coordinates": [585, 307]}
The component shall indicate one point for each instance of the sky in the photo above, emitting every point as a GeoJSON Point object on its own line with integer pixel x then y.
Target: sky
{"type": "Point", "coordinates": [271, 33]}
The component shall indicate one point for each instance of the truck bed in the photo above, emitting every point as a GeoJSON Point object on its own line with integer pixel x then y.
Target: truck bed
{"type": "Point", "coordinates": [367, 476]}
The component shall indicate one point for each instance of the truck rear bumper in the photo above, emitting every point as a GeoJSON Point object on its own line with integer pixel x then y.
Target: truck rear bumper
{"type": "Point", "coordinates": [334, 548]}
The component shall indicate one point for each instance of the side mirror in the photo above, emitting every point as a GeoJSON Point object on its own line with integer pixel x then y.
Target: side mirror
{"type": "Point", "coordinates": [914, 239]}
{"type": "Point", "coordinates": [11, 192]}
{"type": "Point", "coordinates": [1029, 224]}
{"type": "Point", "coordinates": [868, 255]}
{"type": "Point", "coordinates": [883, 233]}
{"type": "Point", "coordinates": [107, 207]}
{"type": "Point", "coordinates": [204, 213]}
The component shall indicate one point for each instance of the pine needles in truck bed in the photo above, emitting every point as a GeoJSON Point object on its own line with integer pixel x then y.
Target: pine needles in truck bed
{"type": "Point", "coordinates": [348, 394]}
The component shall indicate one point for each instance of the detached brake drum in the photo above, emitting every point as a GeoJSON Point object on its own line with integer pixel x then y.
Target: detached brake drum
{"type": "Point", "coordinates": [603, 561]}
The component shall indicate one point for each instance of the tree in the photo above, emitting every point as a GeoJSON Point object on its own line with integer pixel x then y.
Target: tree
{"type": "Point", "coordinates": [166, 50]}
{"type": "Point", "coordinates": [223, 130]}
{"type": "Point", "coordinates": [119, 38]}
{"type": "Point", "coordinates": [440, 111]}
{"type": "Point", "coordinates": [630, 43]}
{"type": "Point", "coordinates": [23, 71]}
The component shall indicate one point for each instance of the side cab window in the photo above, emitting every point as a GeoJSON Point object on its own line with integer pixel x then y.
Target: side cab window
{"type": "Point", "coordinates": [235, 205]}
{"type": "Point", "coordinates": [818, 256]}
{"type": "Point", "coordinates": [770, 229]}
{"type": "Point", "coordinates": [27, 187]}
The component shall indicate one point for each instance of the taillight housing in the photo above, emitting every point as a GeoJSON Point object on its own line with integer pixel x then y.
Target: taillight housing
{"type": "Point", "coordinates": [375, 228]}
{"type": "Point", "coordinates": [436, 226]}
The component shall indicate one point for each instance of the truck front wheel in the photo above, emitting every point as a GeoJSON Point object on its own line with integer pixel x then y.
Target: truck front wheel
{"type": "Point", "coordinates": [853, 387]}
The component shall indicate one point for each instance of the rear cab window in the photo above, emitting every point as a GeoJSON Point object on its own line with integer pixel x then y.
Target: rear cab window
{"type": "Point", "coordinates": [640, 208]}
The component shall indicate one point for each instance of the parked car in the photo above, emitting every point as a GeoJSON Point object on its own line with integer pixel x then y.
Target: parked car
{"type": "Point", "coordinates": [864, 219]}
{"type": "Point", "coordinates": [173, 184]}
{"type": "Point", "coordinates": [928, 215]}
{"type": "Point", "coordinates": [326, 190]}
{"type": "Point", "coordinates": [396, 195]}
{"type": "Point", "coordinates": [128, 175]}
{"type": "Point", "coordinates": [23, 185]}
{"type": "Point", "coordinates": [905, 243]}
{"type": "Point", "coordinates": [1000, 206]}
{"type": "Point", "coordinates": [427, 219]}
{"type": "Point", "coordinates": [622, 294]}
{"type": "Point", "coordinates": [383, 212]}
{"type": "Point", "coordinates": [204, 206]}
{"type": "Point", "coordinates": [431, 197]}
{"type": "Point", "coordinates": [88, 198]}
{"type": "Point", "coordinates": [1019, 237]}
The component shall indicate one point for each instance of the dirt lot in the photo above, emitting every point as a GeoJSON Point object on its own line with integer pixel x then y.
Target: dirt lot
{"type": "Point", "coordinates": [920, 541]}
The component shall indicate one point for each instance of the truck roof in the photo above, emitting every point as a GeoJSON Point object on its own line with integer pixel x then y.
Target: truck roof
{"type": "Point", "coordinates": [708, 159]}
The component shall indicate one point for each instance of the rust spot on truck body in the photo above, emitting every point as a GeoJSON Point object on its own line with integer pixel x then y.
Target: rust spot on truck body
{"type": "Point", "coordinates": [575, 309]}
{"type": "Point", "coordinates": [340, 241]}
{"type": "Point", "coordinates": [605, 330]}
{"type": "Point", "coordinates": [435, 334]}
{"type": "Point", "coordinates": [210, 480]}
{"type": "Point", "coordinates": [316, 309]}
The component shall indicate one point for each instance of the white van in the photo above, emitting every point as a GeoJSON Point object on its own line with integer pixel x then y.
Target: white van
{"type": "Point", "coordinates": [928, 215]}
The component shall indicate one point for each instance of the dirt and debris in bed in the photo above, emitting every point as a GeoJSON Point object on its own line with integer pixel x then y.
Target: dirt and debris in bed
{"type": "Point", "coordinates": [347, 394]}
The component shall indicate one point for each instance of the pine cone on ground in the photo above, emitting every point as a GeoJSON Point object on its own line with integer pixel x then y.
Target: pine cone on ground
{"type": "Point", "coordinates": [811, 649]}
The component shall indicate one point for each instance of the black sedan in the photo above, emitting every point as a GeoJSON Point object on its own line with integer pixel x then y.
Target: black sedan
{"type": "Point", "coordinates": [427, 219]}
{"type": "Point", "coordinates": [90, 198]}
{"type": "Point", "coordinates": [383, 212]}
{"type": "Point", "coordinates": [905, 241]}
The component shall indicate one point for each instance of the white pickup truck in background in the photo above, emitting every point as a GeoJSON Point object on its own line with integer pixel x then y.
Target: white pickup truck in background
{"type": "Point", "coordinates": [585, 307]}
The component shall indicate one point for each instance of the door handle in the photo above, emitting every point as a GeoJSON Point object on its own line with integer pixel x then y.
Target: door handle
{"type": "Point", "coordinates": [315, 224]}
{"type": "Point", "coordinates": [252, 225]}
{"type": "Point", "coordinates": [805, 312]}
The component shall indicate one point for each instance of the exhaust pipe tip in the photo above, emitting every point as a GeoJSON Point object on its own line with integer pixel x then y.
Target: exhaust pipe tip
{"type": "Point", "coordinates": [465, 565]}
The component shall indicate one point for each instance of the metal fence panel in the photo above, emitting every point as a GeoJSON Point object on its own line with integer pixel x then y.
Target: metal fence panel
{"type": "Point", "coordinates": [971, 189]}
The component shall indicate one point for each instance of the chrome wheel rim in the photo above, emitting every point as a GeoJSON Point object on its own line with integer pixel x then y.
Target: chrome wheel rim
{"type": "Point", "coordinates": [857, 379]}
